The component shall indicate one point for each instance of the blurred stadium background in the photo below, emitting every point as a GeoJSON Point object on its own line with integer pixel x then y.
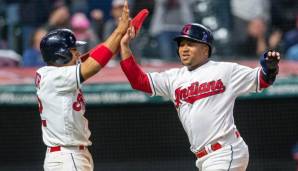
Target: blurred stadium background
{"type": "Point", "coordinates": [130, 130]}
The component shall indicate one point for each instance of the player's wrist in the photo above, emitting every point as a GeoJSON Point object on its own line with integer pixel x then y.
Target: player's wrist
{"type": "Point", "coordinates": [124, 44]}
{"type": "Point", "coordinates": [127, 59]}
{"type": "Point", "coordinates": [125, 53]}
{"type": "Point", "coordinates": [269, 66]}
{"type": "Point", "coordinates": [120, 30]}
{"type": "Point", "coordinates": [263, 63]}
{"type": "Point", "coordinates": [101, 54]}
{"type": "Point", "coordinates": [269, 76]}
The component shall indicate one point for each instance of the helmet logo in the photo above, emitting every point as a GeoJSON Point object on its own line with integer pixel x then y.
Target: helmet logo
{"type": "Point", "coordinates": [186, 29]}
{"type": "Point", "coordinates": [72, 40]}
{"type": "Point", "coordinates": [205, 36]}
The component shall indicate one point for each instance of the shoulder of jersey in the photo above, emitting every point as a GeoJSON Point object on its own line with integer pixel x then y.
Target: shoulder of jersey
{"type": "Point", "coordinates": [174, 71]}
{"type": "Point", "coordinates": [45, 68]}
{"type": "Point", "coordinates": [42, 69]}
{"type": "Point", "coordinates": [223, 63]}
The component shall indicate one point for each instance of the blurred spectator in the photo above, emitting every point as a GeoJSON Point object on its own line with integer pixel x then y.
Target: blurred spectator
{"type": "Point", "coordinates": [32, 56]}
{"type": "Point", "coordinates": [222, 11]}
{"type": "Point", "coordinates": [59, 17]}
{"type": "Point", "coordinates": [111, 23]}
{"type": "Point", "coordinates": [79, 6]}
{"type": "Point", "coordinates": [138, 5]}
{"type": "Point", "coordinates": [97, 22]}
{"type": "Point", "coordinates": [116, 12]}
{"type": "Point", "coordinates": [283, 14]}
{"type": "Point", "coordinates": [143, 44]}
{"type": "Point", "coordinates": [81, 27]}
{"type": "Point", "coordinates": [9, 58]}
{"type": "Point", "coordinates": [250, 22]}
{"type": "Point", "coordinates": [216, 15]}
{"type": "Point", "coordinates": [31, 18]}
{"type": "Point", "coordinates": [103, 6]}
{"type": "Point", "coordinates": [3, 37]}
{"type": "Point", "coordinates": [282, 20]}
{"type": "Point", "coordinates": [291, 43]}
{"type": "Point", "coordinates": [295, 154]}
{"type": "Point", "coordinates": [12, 19]}
{"type": "Point", "coordinates": [275, 39]}
{"type": "Point", "coordinates": [168, 18]}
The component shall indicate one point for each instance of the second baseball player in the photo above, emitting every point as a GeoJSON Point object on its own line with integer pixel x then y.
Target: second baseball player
{"type": "Point", "coordinates": [204, 92]}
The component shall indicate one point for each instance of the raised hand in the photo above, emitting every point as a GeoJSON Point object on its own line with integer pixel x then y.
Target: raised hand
{"type": "Point", "coordinates": [124, 20]}
{"type": "Point", "coordinates": [272, 59]}
{"type": "Point", "coordinates": [130, 34]}
{"type": "Point", "coordinates": [269, 61]}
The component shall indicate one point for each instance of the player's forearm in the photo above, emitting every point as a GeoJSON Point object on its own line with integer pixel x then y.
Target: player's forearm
{"type": "Point", "coordinates": [261, 45]}
{"type": "Point", "coordinates": [125, 51]}
{"type": "Point", "coordinates": [113, 42]}
{"type": "Point", "coordinates": [136, 76]}
{"type": "Point", "coordinates": [99, 57]}
{"type": "Point", "coordinates": [262, 80]}
{"type": "Point", "coordinates": [89, 68]}
{"type": "Point", "coordinates": [102, 53]}
{"type": "Point", "coordinates": [269, 77]}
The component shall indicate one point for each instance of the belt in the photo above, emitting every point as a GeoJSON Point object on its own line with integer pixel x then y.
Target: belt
{"type": "Point", "coordinates": [204, 152]}
{"type": "Point", "coordinates": [60, 148]}
{"type": "Point", "coordinates": [213, 147]}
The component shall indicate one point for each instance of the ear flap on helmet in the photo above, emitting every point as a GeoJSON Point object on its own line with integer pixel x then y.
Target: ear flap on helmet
{"type": "Point", "coordinates": [63, 56]}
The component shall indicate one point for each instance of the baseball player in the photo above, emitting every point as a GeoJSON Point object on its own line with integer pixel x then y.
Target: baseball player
{"type": "Point", "coordinates": [61, 103]}
{"type": "Point", "coordinates": [204, 92]}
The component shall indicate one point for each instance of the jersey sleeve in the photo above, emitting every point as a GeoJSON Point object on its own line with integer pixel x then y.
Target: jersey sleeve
{"type": "Point", "coordinates": [244, 79]}
{"type": "Point", "coordinates": [66, 79]}
{"type": "Point", "coordinates": [159, 83]}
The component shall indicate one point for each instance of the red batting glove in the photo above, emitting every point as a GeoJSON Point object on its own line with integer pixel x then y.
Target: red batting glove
{"type": "Point", "coordinates": [138, 20]}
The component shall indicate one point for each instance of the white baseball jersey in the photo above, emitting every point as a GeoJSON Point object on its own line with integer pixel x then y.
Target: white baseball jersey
{"type": "Point", "coordinates": [62, 106]}
{"type": "Point", "coordinates": [204, 98]}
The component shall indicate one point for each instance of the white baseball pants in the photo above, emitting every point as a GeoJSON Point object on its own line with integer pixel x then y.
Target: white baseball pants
{"type": "Point", "coordinates": [68, 159]}
{"type": "Point", "coordinates": [231, 157]}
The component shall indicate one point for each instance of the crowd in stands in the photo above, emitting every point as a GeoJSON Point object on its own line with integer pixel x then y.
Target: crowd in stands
{"type": "Point", "coordinates": [242, 29]}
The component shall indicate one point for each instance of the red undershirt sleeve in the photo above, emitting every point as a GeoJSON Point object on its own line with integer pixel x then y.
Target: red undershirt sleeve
{"type": "Point", "coordinates": [136, 76]}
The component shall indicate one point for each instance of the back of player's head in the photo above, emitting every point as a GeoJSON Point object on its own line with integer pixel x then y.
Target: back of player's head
{"type": "Point", "coordinates": [197, 33]}
{"type": "Point", "coordinates": [55, 46]}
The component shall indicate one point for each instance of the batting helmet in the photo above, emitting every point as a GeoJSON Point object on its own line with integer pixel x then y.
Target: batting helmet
{"type": "Point", "coordinates": [196, 32]}
{"type": "Point", "coordinates": [55, 46]}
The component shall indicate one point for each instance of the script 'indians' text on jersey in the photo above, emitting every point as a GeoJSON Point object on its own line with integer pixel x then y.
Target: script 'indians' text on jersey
{"type": "Point", "coordinates": [204, 97]}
